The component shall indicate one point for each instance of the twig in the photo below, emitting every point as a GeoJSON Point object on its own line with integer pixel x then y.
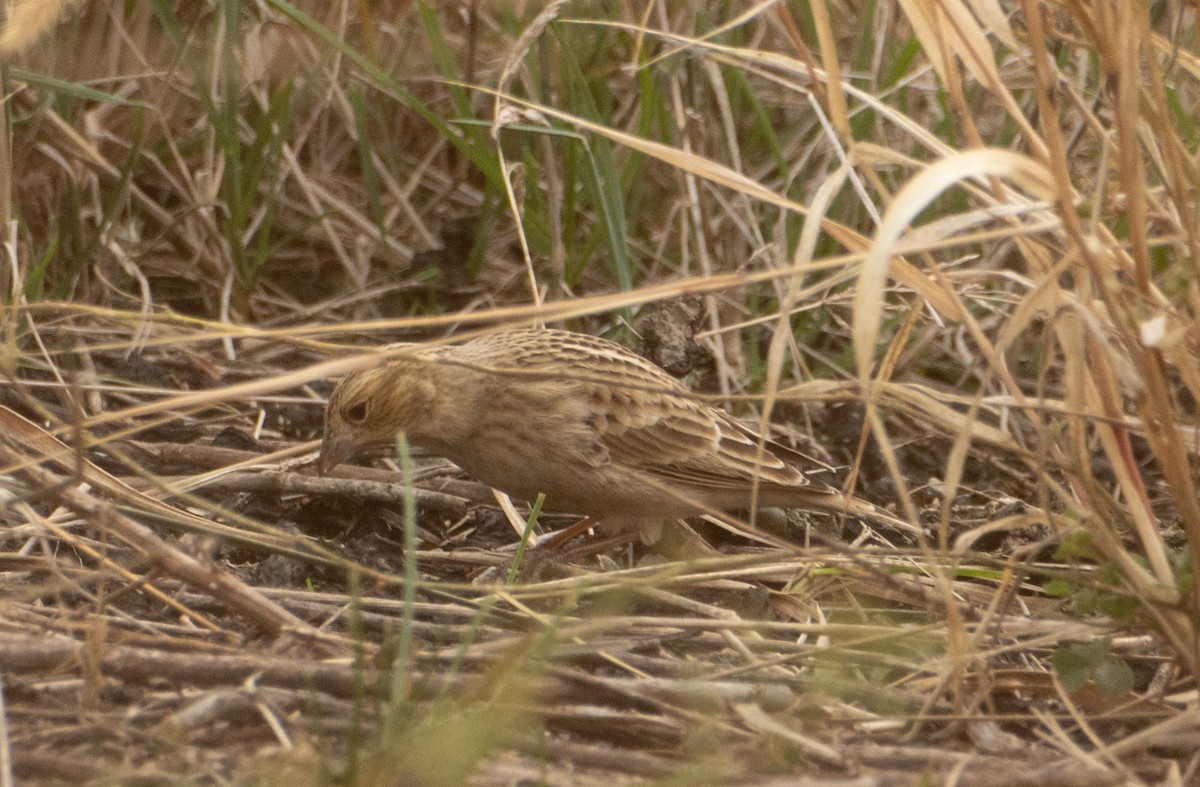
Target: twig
{"type": "Point", "coordinates": [207, 577]}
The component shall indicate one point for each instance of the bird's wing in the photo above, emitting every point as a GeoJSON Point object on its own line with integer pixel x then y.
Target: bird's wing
{"type": "Point", "coordinates": [641, 417]}
{"type": "Point", "coordinates": [678, 440]}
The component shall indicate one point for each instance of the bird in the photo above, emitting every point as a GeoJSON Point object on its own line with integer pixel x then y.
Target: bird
{"type": "Point", "coordinates": [596, 428]}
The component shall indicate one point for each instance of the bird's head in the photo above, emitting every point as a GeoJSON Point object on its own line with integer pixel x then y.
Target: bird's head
{"type": "Point", "coordinates": [368, 409]}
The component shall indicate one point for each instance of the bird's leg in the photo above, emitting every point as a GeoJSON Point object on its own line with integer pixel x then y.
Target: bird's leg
{"type": "Point", "coordinates": [677, 541]}
{"type": "Point", "coordinates": [536, 557]}
{"type": "Point", "coordinates": [597, 545]}
{"type": "Point", "coordinates": [552, 548]}
{"type": "Point", "coordinates": [561, 538]}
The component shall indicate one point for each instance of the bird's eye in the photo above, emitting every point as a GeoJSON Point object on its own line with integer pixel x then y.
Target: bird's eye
{"type": "Point", "coordinates": [357, 412]}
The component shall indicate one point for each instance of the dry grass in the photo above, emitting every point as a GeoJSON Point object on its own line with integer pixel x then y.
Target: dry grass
{"type": "Point", "coordinates": [951, 247]}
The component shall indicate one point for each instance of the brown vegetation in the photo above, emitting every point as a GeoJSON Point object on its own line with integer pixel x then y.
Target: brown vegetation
{"type": "Point", "coordinates": [948, 247]}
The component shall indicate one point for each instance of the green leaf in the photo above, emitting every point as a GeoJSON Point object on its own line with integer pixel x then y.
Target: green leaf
{"type": "Point", "coordinates": [71, 88]}
{"type": "Point", "coordinates": [1118, 608]}
{"type": "Point", "coordinates": [1060, 588]}
{"type": "Point", "coordinates": [1113, 676]}
{"type": "Point", "coordinates": [1073, 670]}
{"type": "Point", "coordinates": [1095, 651]}
{"type": "Point", "coordinates": [1077, 544]}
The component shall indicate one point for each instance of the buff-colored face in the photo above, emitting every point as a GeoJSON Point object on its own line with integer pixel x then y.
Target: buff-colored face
{"type": "Point", "coordinates": [368, 409]}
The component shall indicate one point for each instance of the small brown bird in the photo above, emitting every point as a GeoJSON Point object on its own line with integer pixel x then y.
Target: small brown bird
{"type": "Point", "coordinates": [601, 431]}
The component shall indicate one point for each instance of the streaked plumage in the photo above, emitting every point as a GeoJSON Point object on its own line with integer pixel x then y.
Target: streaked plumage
{"type": "Point", "coordinates": [601, 431]}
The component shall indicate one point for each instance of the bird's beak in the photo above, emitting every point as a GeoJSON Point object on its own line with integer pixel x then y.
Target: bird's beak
{"type": "Point", "coordinates": [334, 451]}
